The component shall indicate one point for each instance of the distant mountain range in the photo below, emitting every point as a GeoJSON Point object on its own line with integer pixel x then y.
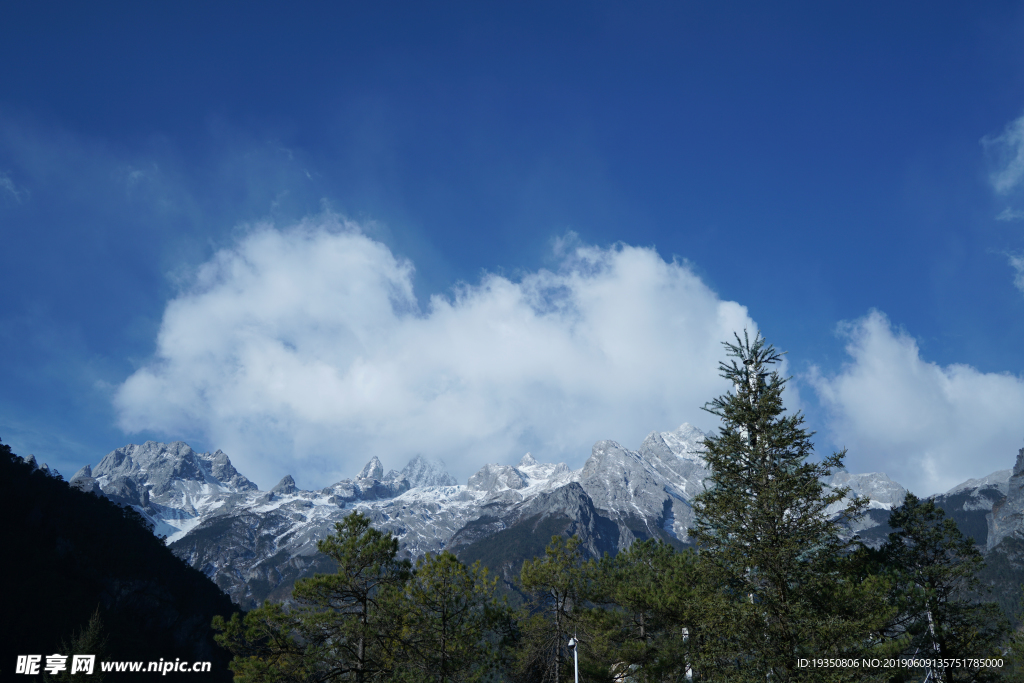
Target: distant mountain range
{"type": "Point", "coordinates": [254, 544]}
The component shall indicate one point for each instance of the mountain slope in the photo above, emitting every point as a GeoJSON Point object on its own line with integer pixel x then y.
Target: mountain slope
{"type": "Point", "coordinates": [75, 553]}
{"type": "Point", "coordinates": [254, 544]}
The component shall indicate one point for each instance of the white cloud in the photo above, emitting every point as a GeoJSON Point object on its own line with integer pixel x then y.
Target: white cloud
{"type": "Point", "coordinates": [1010, 215]}
{"type": "Point", "coordinates": [1017, 262]}
{"type": "Point", "coordinates": [1008, 150]}
{"type": "Point", "coordinates": [926, 426]}
{"type": "Point", "coordinates": [303, 350]}
{"type": "Point", "coordinates": [7, 185]}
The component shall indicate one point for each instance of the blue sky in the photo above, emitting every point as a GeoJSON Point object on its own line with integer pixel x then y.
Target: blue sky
{"type": "Point", "coordinates": [310, 234]}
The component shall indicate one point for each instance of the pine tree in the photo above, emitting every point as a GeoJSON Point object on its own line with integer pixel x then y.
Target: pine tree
{"type": "Point", "coordinates": [654, 612]}
{"type": "Point", "coordinates": [89, 640]}
{"type": "Point", "coordinates": [1013, 669]}
{"type": "Point", "coordinates": [448, 613]}
{"type": "Point", "coordinates": [937, 586]}
{"type": "Point", "coordinates": [766, 535]}
{"type": "Point", "coordinates": [340, 628]}
{"type": "Point", "coordinates": [556, 583]}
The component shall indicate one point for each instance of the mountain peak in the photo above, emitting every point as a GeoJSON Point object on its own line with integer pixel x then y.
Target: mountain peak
{"type": "Point", "coordinates": [999, 480]}
{"type": "Point", "coordinates": [1018, 466]}
{"type": "Point", "coordinates": [161, 465]}
{"type": "Point", "coordinates": [372, 470]}
{"type": "Point", "coordinates": [492, 478]}
{"type": "Point", "coordinates": [686, 442]}
{"type": "Point", "coordinates": [619, 495]}
{"type": "Point", "coordinates": [286, 485]}
{"type": "Point", "coordinates": [423, 472]}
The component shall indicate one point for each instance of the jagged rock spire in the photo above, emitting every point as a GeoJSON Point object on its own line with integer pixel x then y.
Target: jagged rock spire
{"type": "Point", "coordinates": [286, 485]}
{"type": "Point", "coordinates": [423, 472]}
{"type": "Point", "coordinates": [373, 470]}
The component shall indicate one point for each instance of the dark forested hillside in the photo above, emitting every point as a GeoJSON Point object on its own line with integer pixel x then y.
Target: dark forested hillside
{"type": "Point", "coordinates": [71, 554]}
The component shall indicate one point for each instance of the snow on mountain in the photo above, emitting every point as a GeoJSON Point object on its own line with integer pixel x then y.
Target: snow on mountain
{"type": "Point", "coordinates": [423, 472]}
{"type": "Point", "coordinates": [882, 492]}
{"type": "Point", "coordinates": [170, 484]}
{"type": "Point", "coordinates": [255, 544]}
{"type": "Point", "coordinates": [999, 481]}
{"type": "Point", "coordinates": [372, 470]}
{"type": "Point", "coordinates": [973, 504]}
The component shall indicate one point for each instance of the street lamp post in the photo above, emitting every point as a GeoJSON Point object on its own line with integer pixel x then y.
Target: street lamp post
{"type": "Point", "coordinates": [575, 657]}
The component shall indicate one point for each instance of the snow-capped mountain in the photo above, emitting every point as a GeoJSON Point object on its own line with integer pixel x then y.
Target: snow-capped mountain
{"type": "Point", "coordinates": [170, 484]}
{"type": "Point", "coordinates": [255, 544]}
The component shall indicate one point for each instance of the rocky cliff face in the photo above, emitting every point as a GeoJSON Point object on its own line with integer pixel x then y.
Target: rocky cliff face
{"type": "Point", "coordinates": [255, 544]}
{"type": "Point", "coordinates": [1006, 516]}
{"type": "Point", "coordinates": [502, 543]}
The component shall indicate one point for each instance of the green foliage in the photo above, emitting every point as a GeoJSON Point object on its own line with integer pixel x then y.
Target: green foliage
{"type": "Point", "coordinates": [765, 533]}
{"type": "Point", "coordinates": [374, 620]}
{"type": "Point", "coordinates": [1013, 672]}
{"type": "Point", "coordinates": [556, 583]}
{"type": "Point", "coordinates": [91, 639]}
{"type": "Point", "coordinates": [935, 569]}
{"type": "Point", "coordinates": [341, 627]}
{"type": "Point", "coordinates": [264, 646]}
{"type": "Point", "coordinates": [654, 612]}
{"type": "Point", "coordinates": [1003, 575]}
{"type": "Point", "coordinates": [448, 616]}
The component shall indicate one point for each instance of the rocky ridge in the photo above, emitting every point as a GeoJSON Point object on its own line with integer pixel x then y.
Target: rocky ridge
{"type": "Point", "coordinates": [254, 544]}
{"type": "Point", "coordinates": [1006, 518]}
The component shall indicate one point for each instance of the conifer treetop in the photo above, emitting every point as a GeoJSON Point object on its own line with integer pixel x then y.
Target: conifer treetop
{"type": "Point", "coordinates": [765, 526]}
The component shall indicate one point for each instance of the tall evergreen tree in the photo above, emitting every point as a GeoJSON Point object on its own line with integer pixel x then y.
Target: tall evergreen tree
{"type": "Point", "coordinates": [91, 639]}
{"type": "Point", "coordinates": [556, 583]}
{"type": "Point", "coordinates": [937, 587]}
{"type": "Point", "coordinates": [766, 530]}
{"type": "Point", "coordinates": [448, 614]}
{"type": "Point", "coordinates": [1013, 669]}
{"type": "Point", "coordinates": [340, 628]}
{"type": "Point", "coordinates": [654, 612]}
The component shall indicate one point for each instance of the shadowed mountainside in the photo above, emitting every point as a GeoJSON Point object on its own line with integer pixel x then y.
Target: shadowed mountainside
{"type": "Point", "coordinates": [74, 553]}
